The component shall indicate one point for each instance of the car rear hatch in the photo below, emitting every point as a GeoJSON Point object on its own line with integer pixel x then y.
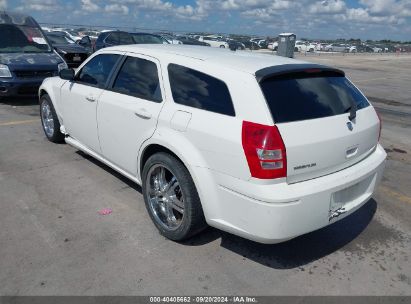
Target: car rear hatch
{"type": "Point", "coordinates": [326, 123]}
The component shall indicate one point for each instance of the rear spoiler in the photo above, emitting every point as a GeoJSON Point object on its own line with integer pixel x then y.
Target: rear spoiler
{"type": "Point", "coordinates": [294, 68]}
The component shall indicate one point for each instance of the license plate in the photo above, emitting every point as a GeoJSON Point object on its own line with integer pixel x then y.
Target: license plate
{"type": "Point", "coordinates": [76, 58]}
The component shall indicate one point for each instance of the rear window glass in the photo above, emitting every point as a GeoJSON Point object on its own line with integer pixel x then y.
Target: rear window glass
{"type": "Point", "coordinates": [126, 38]}
{"type": "Point", "coordinates": [302, 96]}
{"type": "Point", "coordinates": [22, 39]}
{"type": "Point", "coordinates": [198, 90]}
{"type": "Point", "coordinates": [147, 39]}
{"type": "Point", "coordinates": [113, 38]}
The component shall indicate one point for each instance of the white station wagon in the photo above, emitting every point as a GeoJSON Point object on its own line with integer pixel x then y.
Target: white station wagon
{"type": "Point", "coordinates": [264, 147]}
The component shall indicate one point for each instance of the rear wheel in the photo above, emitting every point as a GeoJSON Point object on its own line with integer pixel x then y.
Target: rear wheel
{"type": "Point", "coordinates": [49, 120]}
{"type": "Point", "coordinates": [171, 197]}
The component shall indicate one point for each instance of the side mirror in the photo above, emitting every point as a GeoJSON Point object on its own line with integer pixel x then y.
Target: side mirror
{"type": "Point", "coordinates": [67, 74]}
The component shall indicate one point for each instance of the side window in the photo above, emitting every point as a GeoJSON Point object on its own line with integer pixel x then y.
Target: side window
{"type": "Point", "coordinates": [97, 70]}
{"type": "Point", "coordinates": [112, 38]}
{"type": "Point", "coordinates": [138, 77]}
{"type": "Point", "coordinates": [126, 38]}
{"type": "Point", "coordinates": [198, 90]}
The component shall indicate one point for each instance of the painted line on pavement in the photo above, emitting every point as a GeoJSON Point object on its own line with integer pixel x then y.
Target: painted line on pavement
{"type": "Point", "coordinates": [395, 194]}
{"type": "Point", "coordinates": [18, 122]}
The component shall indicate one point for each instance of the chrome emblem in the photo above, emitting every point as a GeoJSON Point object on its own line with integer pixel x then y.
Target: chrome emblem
{"type": "Point", "coordinates": [350, 126]}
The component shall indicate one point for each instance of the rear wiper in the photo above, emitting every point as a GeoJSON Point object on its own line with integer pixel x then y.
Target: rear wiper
{"type": "Point", "coordinates": [353, 111]}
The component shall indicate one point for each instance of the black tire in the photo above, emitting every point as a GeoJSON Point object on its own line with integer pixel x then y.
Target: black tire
{"type": "Point", "coordinates": [56, 136]}
{"type": "Point", "coordinates": [193, 220]}
{"type": "Point", "coordinates": [222, 46]}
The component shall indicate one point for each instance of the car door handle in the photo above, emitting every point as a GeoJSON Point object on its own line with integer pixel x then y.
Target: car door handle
{"type": "Point", "coordinates": [90, 98]}
{"type": "Point", "coordinates": [142, 113]}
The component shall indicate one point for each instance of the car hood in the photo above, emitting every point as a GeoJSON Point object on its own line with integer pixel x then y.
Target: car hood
{"type": "Point", "coordinates": [30, 61]}
{"type": "Point", "coordinates": [70, 48]}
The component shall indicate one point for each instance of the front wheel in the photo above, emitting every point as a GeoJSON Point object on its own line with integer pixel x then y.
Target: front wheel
{"type": "Point", "coordinates": [171, 197]}
{"type": "Point", "coordinates": [222, 47]}
{"type": "Point", "coordinates": [49, 120]}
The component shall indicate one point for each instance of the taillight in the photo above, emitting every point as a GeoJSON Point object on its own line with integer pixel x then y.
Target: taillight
{"type": "Point", "coordinates": [379, 118]}
{"type": "Point", "coordinates": [265, 151]}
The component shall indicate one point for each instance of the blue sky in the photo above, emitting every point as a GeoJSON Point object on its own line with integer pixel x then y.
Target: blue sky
{"type": "Point", "coordinates": [366, 19]}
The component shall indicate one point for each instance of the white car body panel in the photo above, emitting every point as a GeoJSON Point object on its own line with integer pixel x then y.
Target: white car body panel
{"type": "Point", "coordinates": [303, 46]}
{"type": "Point", "coordinates": [73, 37]}
{"type": "Point", "coordinates": [334, 148]}
{"type": "Point", "coordinates": [113, 129]}
{"type": "Point", "coordinates": [79, 113]}
{"type": "Point", "coordinates": [117, 113]}
{"type": "Point", "coordinates": [214, 42]}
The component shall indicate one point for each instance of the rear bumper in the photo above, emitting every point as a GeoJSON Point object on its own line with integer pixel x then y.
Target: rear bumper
{"type": "Point", "coordinates": [15, 87]}
{"type": "Point", "coordinates": [279, 212]}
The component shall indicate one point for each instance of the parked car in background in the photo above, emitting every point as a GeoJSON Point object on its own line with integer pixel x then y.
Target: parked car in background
{"type": "Point", "coordinates": [273, 46]}
{"type": "Point", "coordinates": [191, 41]}
{"type": "Point", "coordinates": [146, 38]}
{"type": "Point", "coordinates": [377, 49]}
{"type": "Point", "coordinates": [351, 49]}
{"type": "Point", "coordinates": [251, 45]}
{"type": "Point", "coordinates": [302, 155]}
{"type": "Point", "coordinates": [263, 44]}
{"type": "Point", "coordinates": [256, 39]}
{"type": "Point", "coordinates": [92, 34]}
{"type": "Point", "coordinates": [235, 45]}
{"type": "Point", "coordinates": [214, 42]}
{"type": "Point", "coordinates": [70, 33]}
{"type": "Point", "coordinates": [320, 46]}
{"type": "Point", "coordinates": [304, 46]}
{"type": "Point", "coordinates": [72, 53]}
{"type": "Point", "coordinates": [26, 57]}
{"type": "Point", "coordinates": [170, 39]}
{"type": "Point", "coordinates": [364, 48]}
{"type": "Point", "coordinates": [337, 47]}
{"type": "Point", "coordinates": [46, 29]}
{"type": "Point", "coordinates": [112, 38]}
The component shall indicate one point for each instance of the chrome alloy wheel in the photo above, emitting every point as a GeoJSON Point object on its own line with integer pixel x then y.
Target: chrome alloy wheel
{"type": "Point", "coordinates": [47, 119]}
{"type": "Point", "coordinates": [165, 197]}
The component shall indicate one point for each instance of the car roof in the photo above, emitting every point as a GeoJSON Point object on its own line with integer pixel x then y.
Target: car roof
{"type": "Point", "coordinates": [146, 34]}
{"type": "Point", "coordinates": [56, 33]}
{"type": "Point", "coordinates": [245, 61]}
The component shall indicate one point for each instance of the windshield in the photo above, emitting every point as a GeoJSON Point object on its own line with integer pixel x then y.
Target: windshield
{"type": "Point", "coordinates": [22, 39]}
{"type": "Point", "coordinates": [147, 39]}
{"type": "Point", "coordinates": [60, 39]}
